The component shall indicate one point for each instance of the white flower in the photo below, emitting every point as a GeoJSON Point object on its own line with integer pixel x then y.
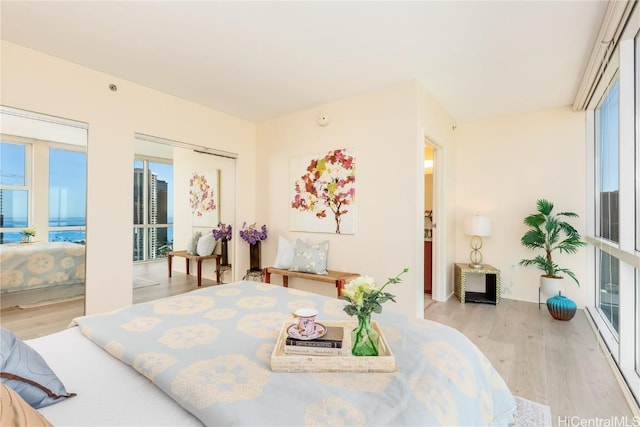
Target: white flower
{"type": "Point", "coordinates": [29, 231]}
{"type": "Point", "coordinates": [355, 289]}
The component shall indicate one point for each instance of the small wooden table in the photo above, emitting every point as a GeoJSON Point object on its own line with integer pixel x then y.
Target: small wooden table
{"type": "Point", "coordinates": [337, 277]}
{"type": "Point", "coordinates": [492, 293]}
{"type": "Point", "coordinates": [198, 260]}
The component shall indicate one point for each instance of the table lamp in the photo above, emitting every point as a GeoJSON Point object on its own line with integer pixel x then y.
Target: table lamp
{"type": "Point", "coordinates": [477, 226]}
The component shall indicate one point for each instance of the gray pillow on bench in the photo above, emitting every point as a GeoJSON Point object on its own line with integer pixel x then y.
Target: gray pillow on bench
{"type": "Point", "coordinates": [310, 258]}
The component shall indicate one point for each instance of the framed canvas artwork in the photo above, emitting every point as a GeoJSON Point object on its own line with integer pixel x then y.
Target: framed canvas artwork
{"type": "Point", "coordinates": [323, 192]}
{"type": "Point", "coordinates": [203, 198]}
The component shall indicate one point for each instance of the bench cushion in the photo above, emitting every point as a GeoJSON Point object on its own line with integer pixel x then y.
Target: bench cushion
{"type": "Point", "coordinates": [310, 258]}
{"type": "Point", "coordinates": [331, 277]}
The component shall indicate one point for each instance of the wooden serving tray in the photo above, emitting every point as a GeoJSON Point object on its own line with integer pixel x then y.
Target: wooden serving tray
{"type": "Point", "coordinates": [345, 362]}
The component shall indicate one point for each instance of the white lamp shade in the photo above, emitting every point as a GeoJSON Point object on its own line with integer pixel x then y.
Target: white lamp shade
{"type": "Point", "coordinates": [477, 225]}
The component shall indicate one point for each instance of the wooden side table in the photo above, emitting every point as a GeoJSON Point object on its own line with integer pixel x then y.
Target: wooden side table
{"type": "Point", "coordinates": [492, 292]}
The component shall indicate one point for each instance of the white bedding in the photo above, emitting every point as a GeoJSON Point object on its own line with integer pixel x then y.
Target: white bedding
{"type": "Point", "coordinates": [40, 265]}
{"type": "Point", "coordinates": [441, 378]}
{"type": "Point", "coordinates": [110, 393]}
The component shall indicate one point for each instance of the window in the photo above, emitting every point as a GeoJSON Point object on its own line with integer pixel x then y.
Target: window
{"type": "Point", "coordinates": [607, 116]}
{"type": "Point", "coordinates": [67, 195]}
{"type": "Point", "coordinates": [14, 190]}
{"type": "Point", "coordinates": [152, 209]}
{"type": "Point", "coordinates": [614, 198]}
{"type": "Point", "coordinates": [637, 142]}
{"type": "Point", "coordinates": [637, 325]}
{"type": "Point", "coordinates": [609, 284]}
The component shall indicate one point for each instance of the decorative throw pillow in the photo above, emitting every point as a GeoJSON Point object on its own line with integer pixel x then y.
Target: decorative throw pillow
{"type": "Point", "coordinates": [206, 245]}
{"type": "Point", "coordinates": [27, 373]}
{"type": "Point", "coordinates": [193, 243]}
{"type": "Point", "coordinates": [14, 411]}
{"type": "Point", "coordinates": [286, 251]}
{"type": "Point", "coordinates": [310, 259]}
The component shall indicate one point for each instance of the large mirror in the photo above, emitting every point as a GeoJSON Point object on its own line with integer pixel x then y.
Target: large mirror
{"type": "Point", "coordinates": [43, 170]}
{"type": "Point", "coordinates": [181, 193]}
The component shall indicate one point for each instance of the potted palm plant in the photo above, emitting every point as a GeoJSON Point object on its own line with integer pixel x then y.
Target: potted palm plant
{"type": "Point", "coordinates": [548, 232]}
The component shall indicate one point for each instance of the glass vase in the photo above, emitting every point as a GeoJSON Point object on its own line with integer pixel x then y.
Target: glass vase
{"type": "Point", "coordinates": [364, 339]}
{"type": "Point", "coordinates": [254, 257]}
{"type": "Point", "coordinates": [224, 252]}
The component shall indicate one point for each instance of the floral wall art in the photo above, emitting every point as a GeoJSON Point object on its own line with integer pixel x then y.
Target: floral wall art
{"type": "Point", "coordinates": [203, 198]}
{"type": "Point", "coordinates": [323, 192]}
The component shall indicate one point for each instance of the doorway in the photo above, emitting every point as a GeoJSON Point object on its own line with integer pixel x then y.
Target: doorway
{"type": "Point", "coordinates": [431, 208]}
{"type": "Point", "coordinates": [428, 219]}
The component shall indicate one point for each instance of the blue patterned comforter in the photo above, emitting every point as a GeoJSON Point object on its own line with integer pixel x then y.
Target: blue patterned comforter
{"type": "Point", "coordinates": [210, 350]}
{"type": "Point", "coordinates": [39, 265]}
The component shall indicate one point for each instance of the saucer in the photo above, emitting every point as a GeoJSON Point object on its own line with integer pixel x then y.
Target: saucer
{"type": "Point", "coordinates": [319, 331]}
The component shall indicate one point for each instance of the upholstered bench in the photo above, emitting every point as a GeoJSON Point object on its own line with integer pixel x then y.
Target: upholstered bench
{"type": "Point", "coordinates": [198, 259]}
{"type": "Point", "coordinates": [339, 278]}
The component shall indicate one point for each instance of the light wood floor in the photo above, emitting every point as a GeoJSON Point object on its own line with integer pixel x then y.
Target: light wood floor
{"type": "Point", "coordinates": [35, 322]}
{"type": "Point", "coordinates": [560, 364]}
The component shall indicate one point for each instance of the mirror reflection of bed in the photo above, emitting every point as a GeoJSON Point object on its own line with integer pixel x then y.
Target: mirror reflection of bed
{"type": "Point", "coordinates": [42, 215]}
{"type": "Point", "coordinates": [43, 283]}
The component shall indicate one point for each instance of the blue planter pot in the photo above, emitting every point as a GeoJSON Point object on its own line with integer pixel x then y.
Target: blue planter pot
{"type": "Point", "coordinates": [561, 307]}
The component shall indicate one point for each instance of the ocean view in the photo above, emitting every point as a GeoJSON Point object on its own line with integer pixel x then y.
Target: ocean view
{"type": "Point", "coordinates": [76, 236]}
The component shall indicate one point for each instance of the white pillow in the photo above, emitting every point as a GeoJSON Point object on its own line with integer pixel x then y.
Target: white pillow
{"type": "Point", "coordinates": [286, 250]}
{"type": "Point", "coordinates": [206, 244]}
{"type": "Point", "coordinates": [192, 245]}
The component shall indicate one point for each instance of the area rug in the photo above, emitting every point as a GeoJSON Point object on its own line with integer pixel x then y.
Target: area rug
{"type": "Point", "coordinates": [531, 414]}
{"type": "Point", "coordinates": [141, 282]}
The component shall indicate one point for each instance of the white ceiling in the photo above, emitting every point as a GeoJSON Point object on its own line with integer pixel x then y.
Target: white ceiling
{"type": "Point", "coordinates": [259, 60]}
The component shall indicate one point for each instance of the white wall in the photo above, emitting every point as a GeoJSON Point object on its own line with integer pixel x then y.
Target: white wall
{"type": "Point", "coordinates": [383, 129]}
{"type": "Point", "coordinates": [502, 167]}
{"type": "Point", "coordinates": [498, 167]}
{"type": "Point", "coordinates": [37, 82]}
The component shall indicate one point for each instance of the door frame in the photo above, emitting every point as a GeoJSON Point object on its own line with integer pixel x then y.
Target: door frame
{"type": "Point", "coordinates": [439, 235]}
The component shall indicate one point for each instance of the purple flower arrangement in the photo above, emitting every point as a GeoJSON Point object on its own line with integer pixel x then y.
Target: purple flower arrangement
{"type": "Point", "coordinates": [223, 232]}
{"type": "Point", "coordinates": [251, 234]}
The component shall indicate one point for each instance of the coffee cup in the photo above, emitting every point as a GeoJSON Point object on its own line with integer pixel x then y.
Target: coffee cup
{"type": "Point", "coordinates": [306, 320]}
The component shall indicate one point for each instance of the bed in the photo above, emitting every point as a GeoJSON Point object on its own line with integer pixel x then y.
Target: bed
{"type": "Point", "coordinates": [31, 273]}
{"type": "Point", "coordinates": [203, 358]}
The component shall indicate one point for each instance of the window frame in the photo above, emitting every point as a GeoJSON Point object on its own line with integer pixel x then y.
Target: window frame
{"type": "Point", "coordinates": [614, 79]}
{"type": "Point", "coordinates": [28, 180]}
{"type": "Point", "coordinates": [146, 227]}
{"type": "Point", "coordinates": [76, 149]}
{"type": "Point", "coordinates": [37, 184]}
